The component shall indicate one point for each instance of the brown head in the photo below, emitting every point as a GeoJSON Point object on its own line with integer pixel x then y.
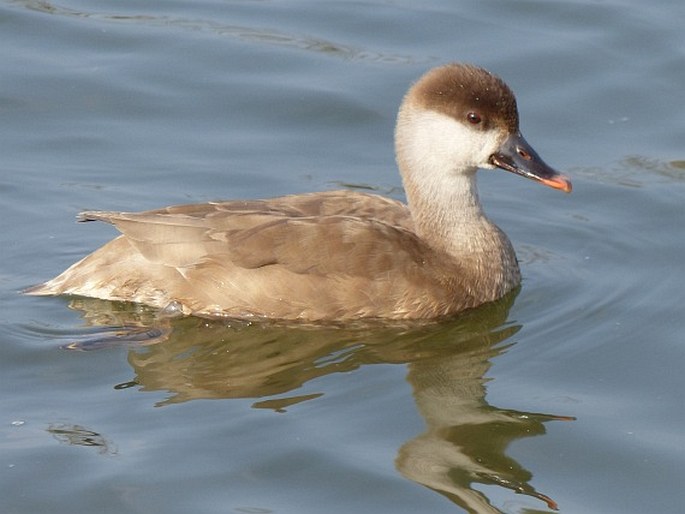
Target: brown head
{"type": "Point", "coordinates": [460, 117]}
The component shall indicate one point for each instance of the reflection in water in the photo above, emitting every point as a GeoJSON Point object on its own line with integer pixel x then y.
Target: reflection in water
{"type": "Point", "coordinates": [76, 435]}
{"type": "Point", "coordinates": [465, 440]}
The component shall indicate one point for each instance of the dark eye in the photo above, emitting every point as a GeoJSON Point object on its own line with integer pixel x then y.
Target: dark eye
{"type": "Point", "coordinates": [474, 118]}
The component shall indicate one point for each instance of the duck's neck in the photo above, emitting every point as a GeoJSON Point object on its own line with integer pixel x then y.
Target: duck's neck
{"type": "Point", "coordinates": [438, 158]}
{"type": "Point", "coordinates": [449, 217]}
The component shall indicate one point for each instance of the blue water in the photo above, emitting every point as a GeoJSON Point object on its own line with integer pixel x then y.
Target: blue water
{"type": "Point", "coordinates": [568, 395]}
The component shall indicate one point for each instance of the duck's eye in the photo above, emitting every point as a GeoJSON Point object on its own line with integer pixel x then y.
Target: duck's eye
{"type": "Point", "coordinates": [474, 118]}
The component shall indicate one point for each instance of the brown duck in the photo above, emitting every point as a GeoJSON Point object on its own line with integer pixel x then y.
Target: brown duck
{"type": "Point", "coordinates": [338, 255]}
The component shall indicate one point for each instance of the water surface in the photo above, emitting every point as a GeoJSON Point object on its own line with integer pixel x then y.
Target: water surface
{"type": "Point", "coordinates": [565, 396]}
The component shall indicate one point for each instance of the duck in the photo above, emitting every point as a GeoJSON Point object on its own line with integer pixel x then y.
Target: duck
{"type": "Point", "coordinates": [338, 255]}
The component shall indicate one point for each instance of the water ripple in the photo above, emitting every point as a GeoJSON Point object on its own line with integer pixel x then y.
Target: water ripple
{"type": "Point", "coordinates": [249, 34]}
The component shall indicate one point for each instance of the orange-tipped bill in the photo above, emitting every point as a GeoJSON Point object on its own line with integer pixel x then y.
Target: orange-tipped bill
{"type": "Point", "coordinates": [517, 156]}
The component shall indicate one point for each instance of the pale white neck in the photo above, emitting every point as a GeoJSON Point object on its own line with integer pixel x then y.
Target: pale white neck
{"type": "Point", "coordinates": [438, 159]}
{"type": "Point", "coordinates": [448, 213]}
{"type": "Point", "coordinates": [449, 217]}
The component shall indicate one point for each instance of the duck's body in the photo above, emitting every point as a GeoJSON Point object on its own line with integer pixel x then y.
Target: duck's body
{"type": "Point", "coordinates": [338, 255]}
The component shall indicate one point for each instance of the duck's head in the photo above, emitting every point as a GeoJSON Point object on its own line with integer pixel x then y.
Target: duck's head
{"type": "Point", "coordinates": [458, 118]}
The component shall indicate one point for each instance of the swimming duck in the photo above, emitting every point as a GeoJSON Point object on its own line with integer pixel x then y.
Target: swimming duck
{"type": "Point", "coordinates": [338, 255]}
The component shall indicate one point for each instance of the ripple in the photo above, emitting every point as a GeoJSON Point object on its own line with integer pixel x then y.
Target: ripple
{"type": "Point", "coordinates": [249, 34]}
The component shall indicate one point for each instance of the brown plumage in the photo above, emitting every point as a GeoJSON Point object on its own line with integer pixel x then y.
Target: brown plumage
{"type": "Point", "coordinates": [341, 254]}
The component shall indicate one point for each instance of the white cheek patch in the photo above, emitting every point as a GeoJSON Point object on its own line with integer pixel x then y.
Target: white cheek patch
{"type": "Point", "coordinates": [432, 139]}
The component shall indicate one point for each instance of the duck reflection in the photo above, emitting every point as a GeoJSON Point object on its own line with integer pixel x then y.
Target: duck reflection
{"type": "Point", "coordinates": [465, 439]}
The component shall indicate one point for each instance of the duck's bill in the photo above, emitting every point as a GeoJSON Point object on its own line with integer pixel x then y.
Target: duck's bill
{"type": "Point", "coordinates": [517, 156]}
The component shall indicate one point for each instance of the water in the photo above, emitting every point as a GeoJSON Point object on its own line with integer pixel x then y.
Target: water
{"type": "Point", "coordinates": [568, 395]}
